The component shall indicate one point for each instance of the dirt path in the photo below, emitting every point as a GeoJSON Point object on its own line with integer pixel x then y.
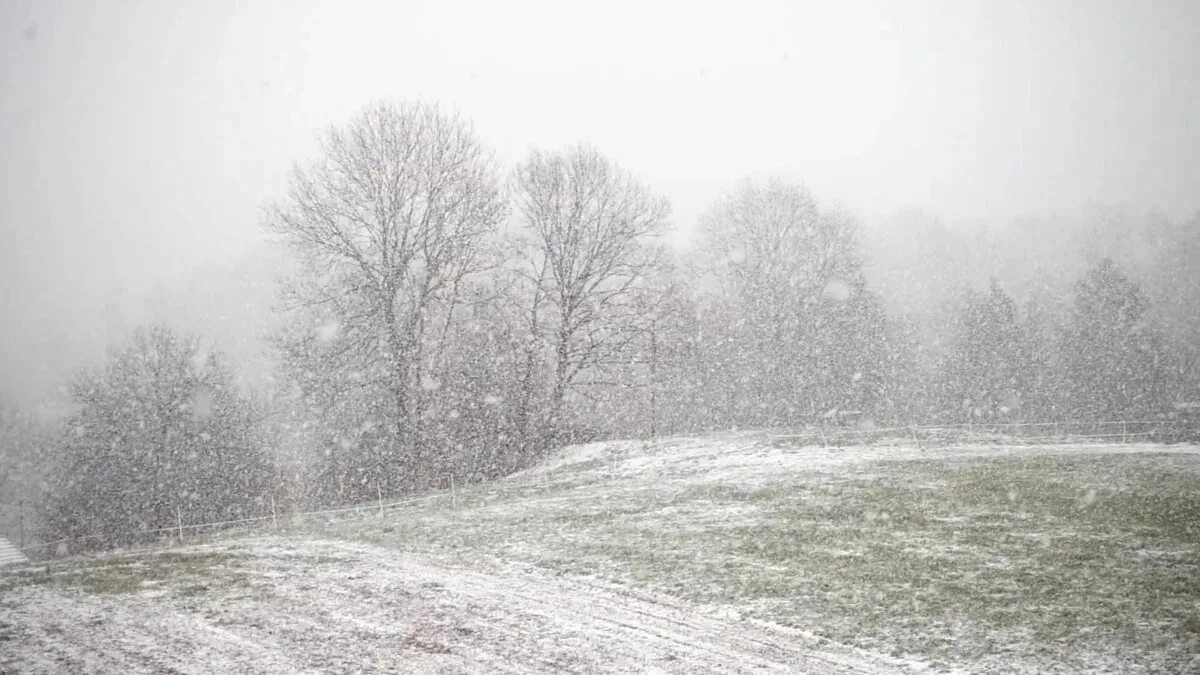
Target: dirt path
{"type": "Point", "coordinates": [333, 606]}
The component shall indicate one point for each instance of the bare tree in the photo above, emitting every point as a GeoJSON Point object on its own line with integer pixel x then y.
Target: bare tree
{"type": "Point", "coordinates": [772, 248]}
{"type": "Point", "coordinates": [388, 222]}
{"type": "Point", "coordinates": [788, 281]}
{"type": "Point", "coordinates": [591, 231]}
{"type": "Point", "coordinates": [160, 429]}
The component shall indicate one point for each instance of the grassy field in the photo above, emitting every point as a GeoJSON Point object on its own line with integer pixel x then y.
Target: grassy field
{"type": "Point", "coordinates": [1085, 557]}
{"type": "Point", "coordinates": [980, 559]}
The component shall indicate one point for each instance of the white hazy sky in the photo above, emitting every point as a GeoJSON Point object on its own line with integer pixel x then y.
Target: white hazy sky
{"type": "Point", "coordinates": [139, 140]}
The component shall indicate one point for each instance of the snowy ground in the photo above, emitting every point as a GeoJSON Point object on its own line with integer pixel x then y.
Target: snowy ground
{"type": "Point", "coordinates": [726, 553]}
{"type": "Point", "coordinates": [284, 606]}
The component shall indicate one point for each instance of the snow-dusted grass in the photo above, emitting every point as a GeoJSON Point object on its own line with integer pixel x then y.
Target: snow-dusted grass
{"type": "Point", "coordinates": [278, 605]}
{"type": "Point", "coordinates": [187, 572]}
{"type": "Point", "coordinates": [1079, 557]}
{"type": "Point", "coordinates": [739, 551]}
{"type": "Point", "coordinates": [959, 562]}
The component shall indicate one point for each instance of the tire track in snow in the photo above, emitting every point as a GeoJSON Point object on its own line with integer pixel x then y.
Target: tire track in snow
{"type": "Point", "coordinates": [336, 606]}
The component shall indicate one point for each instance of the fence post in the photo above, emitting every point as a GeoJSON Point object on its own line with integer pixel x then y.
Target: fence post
{"type": "Point", "coordinates": [179, 522]}
{"type": "Point", "coordinates": [453, 495]}
{"type": "Point", "coordinates": [21, 523]}
{"type": "Point", "coordinates": [274, 516]}
{"type": "Point", "coordinates": [1124, 434]}
{"type": "Point", "coordinates": [916, 440]}
{"type": "Point", "coordinates": [379, 495]}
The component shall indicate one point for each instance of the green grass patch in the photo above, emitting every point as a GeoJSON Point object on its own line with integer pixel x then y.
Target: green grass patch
{"type": "Point", "coordinates": [1053, 559]}
{"type": "Point", "coordinates": [183, 573]}
{"type": "Point", "coordinates": [950, 560]}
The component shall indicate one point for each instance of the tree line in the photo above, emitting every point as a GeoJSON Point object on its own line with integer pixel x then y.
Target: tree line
{"type": "Point", "coordinates": [449, 320]}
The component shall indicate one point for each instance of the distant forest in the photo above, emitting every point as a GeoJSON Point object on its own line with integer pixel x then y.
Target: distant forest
{"type": "Point", "coordinates": [449, 317]}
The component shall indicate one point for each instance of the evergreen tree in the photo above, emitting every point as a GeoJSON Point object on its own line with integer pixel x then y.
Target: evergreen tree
{"type": "Point", "coordinates": [1113, 359]}
{"type": "Point", "coordinates": [986, 372]}
{"type": "Point", "coordinates": [1044, 382]}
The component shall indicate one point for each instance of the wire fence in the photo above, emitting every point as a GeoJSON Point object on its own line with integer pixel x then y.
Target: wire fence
{"type": "Point", "coordinates": [180, 530]}
{"type": "Point", "coordinates": [821, 436]}
{"type": "Point", "coordinates": [1122, 431]}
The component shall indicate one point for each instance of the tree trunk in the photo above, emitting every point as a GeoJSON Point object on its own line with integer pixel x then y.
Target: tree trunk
{"type": "Point", "coordinates": [398, 388]}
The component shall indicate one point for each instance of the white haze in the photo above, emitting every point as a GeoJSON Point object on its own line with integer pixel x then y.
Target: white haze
{"type": "Point", "coordinates": [140, 140]}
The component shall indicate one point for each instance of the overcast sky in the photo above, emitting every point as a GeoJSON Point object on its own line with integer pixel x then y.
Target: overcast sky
{"type": "Point", "coordinates": [140, 140]}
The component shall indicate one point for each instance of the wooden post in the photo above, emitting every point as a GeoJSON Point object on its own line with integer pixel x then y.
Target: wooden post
{"type": "Point", "coordinates": [453, 495]}
{"type": "Point", "coordinates": [916, 440]}
{"type": "Point", "coordinates": [21, 523]}
{"type": "Point", "coordinates": [1124, 434]}
{"type": "Point", "coordinates": [379, 494]}
{"type": "Point", "coordinates": [274, 515]}
{"type": "Point", "coordinates": [179, 522]}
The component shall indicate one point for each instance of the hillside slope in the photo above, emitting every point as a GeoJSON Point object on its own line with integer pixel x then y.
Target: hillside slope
{"type": "Point", "coordinates": [724, 553]}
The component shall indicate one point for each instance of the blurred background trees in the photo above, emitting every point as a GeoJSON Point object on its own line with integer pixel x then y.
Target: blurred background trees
{"type": "Point", "coordinates": [445, 321]}
{"type": "Point", "coordinates": [160, 431]}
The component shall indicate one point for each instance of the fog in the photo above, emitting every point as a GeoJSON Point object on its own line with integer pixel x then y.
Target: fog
{"type": "Point", "coordinates": [141, 140]}
{"type": "Point", "coordinates": [693, 337]}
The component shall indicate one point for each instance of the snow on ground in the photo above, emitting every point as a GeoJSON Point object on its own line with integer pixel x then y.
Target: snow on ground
{"type": "Point", "coordinates": [680, 555]}
{"type": "Point", "coordinates": [275, 605]}
{"type": "Point", "coordinates": [988, 557]}
{"type": "Point", "coordinates": [748, 458]}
